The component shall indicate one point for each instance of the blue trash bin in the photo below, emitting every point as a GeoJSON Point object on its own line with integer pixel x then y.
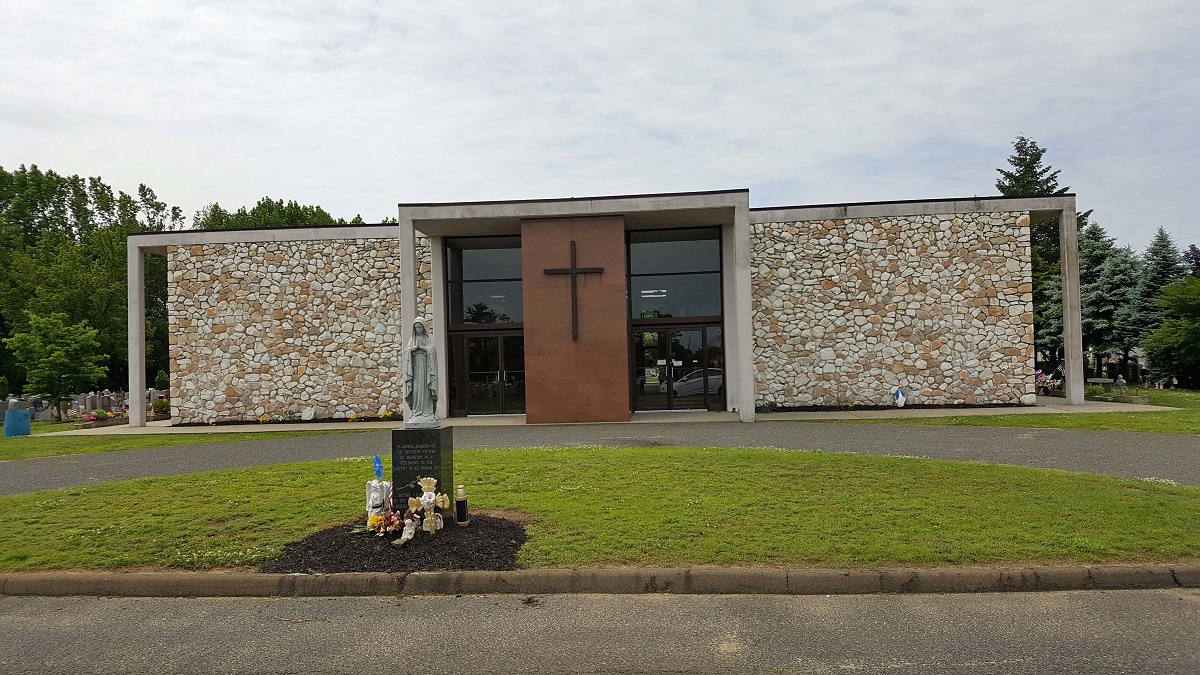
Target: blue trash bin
{"type": "Point", "coordinates": [16, 423]}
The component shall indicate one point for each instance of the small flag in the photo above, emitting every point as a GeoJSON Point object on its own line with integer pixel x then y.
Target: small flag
{"type": "Point", "coordinates": [378, 468]}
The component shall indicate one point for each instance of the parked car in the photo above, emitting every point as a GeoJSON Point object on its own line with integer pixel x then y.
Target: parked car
{"type": "Point", "coordinates": [693, 383]}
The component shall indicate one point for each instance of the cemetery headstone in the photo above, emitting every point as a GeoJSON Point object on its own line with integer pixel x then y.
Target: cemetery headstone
{"type": "Point", "coordinates": [89, 401]}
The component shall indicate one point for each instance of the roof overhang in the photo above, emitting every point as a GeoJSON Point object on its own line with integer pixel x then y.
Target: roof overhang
{"type": "Point", "coordinates": [652, 211]}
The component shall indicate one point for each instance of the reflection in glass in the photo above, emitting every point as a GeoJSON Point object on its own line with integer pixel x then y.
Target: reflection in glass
{"type": "Point", "coordinates": [486, 302]}
{"type": "Point", "coordinates": [483, 258]}
{"type": "Point", "coordinates": [514, 391]}
{"type": "Point", "coordinates": [484, 280]}
{"type": "Point", "coordinates": [680, 295]}
{"type": "Point", "coordinates": [678, 369]}
{"type": "Point", "coordinates": [650, 371]}
{"type": "Point", "coordinates": [495, 374]}
{"type": "Point", "coordinates": [671, 251]}
{"type": "Point", "coordinates": [685, 369]}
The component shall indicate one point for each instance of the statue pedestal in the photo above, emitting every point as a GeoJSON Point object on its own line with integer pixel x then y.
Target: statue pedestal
{"type": "Point", "coordinates": [420, 453]}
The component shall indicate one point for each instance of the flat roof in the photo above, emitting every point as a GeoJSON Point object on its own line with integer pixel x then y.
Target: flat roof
{"type": "Point", "coordinates": [903, 201]}
{"type": "Point", "coordinates": [681, 202]}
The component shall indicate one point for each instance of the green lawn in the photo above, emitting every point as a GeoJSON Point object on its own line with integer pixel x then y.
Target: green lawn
{"type": "Point", "coordinates": [1183, 421]}
{"type": "Point", "coordinates": [50, 427]}
{"type": "Point", "coordinates": [636, 506]}
{"type": "Point", "coordinates": [26, 447]}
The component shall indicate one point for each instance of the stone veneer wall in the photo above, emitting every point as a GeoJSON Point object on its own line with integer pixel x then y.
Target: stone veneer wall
{"type": "Point", "coordinates": [425, 280]}
{"type": "Point", "coordinates": [847, 310]}
{"type": "Point", "coordinates": [271, 328]}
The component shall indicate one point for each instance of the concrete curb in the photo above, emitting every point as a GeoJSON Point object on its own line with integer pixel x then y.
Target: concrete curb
{"type": "Point", "coordinates": [199, 584]}
{"type": "Point", "coordinates": [623, 581]}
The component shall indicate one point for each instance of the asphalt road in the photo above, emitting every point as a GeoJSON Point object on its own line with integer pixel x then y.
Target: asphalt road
{"type": "Point", "coordinates": [1065, 632]}
{"type": "Point", "coordinates": [1129, 454]}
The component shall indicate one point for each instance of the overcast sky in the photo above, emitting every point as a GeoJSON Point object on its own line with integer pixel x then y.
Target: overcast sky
{"type": "Point", "coordinates": [359, 105]}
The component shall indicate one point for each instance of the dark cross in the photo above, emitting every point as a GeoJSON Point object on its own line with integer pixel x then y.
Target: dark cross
{"type": "Point", "coordinates": [575, 272]}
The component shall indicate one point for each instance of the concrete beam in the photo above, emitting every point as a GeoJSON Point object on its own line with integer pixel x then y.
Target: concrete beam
{"type": "Point", "coordinates": [908, 208]}
{"type": "Point", "coordinates": [148, 240]}
{"type": "Point", "coordinates": [1068, 241]}
{"type": "Point", "coordinates": [135, 275]}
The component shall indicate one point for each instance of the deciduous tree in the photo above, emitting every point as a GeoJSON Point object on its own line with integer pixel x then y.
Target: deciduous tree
{"type": "Point", "coordinates": [58, 357]}
{"type": "Point", "coordinates": [1173, 348]}
{"type": "Point", "coordinates": [266, 213]}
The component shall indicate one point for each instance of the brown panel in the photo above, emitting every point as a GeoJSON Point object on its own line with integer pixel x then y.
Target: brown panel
{"type": "Point", "coordinates": [585, 380]}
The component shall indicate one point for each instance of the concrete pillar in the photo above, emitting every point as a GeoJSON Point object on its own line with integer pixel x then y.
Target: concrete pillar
{"type": "Point", "coordinates": [739, 328]}
{"type": "Point", "coordinates": [437, 280]}
{"type": "Point", "coordinates": [408, 285]}
{"type": "Point", "coordinates": [136, 296]}
{"type": "Point", "coordinates": [1068, 241]}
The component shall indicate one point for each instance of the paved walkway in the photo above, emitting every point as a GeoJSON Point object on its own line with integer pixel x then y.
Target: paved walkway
{"type": "Point", "coordinates": [1129, 454]}
{"type": "Point", "coordinates": [1045, 405]}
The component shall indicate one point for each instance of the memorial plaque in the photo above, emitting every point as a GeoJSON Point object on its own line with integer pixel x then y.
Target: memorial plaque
{"type": "Point", "coordinates": [418, 453]}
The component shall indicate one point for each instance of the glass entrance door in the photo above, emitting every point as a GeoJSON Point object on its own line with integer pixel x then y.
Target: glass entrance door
{"type": "Point", "coordinates": [678, 369]}
{"type": "Point", "coordinates": [495, 374]}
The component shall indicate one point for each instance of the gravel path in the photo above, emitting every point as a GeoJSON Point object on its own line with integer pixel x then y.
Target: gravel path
{"type": "Point", "coordinates": [1129, 454]}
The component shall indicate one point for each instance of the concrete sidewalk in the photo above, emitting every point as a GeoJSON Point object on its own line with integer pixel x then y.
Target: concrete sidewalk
{"type": "Point", "coordinates": [701, 580]}
{"type": "Point", "coordinates": [1045, 405]}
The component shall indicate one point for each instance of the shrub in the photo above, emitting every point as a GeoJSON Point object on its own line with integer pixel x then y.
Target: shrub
{"type": "Point", "coordinates": [161, 407]}
{"type": "Point", "coordinates": [3, 388]}
{"type": "Point", "coordinates": [162, 381]}
{"type": "Point", "coordinates": [101, 414]}
{"type": "Point", "coordinates": [1094, 390]}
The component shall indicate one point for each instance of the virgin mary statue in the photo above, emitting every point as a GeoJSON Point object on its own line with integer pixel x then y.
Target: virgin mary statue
{"type": "Point", "coordinates": [420, 379]}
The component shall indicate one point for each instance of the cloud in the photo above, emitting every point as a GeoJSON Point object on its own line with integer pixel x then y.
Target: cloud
{"type": "Point", "coordinates": [361, 105]}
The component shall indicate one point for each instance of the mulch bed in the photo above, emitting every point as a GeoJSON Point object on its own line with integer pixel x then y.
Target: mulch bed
{"type": "Point", "coordinates": [486, 544]}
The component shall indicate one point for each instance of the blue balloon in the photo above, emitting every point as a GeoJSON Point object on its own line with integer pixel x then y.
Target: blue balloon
{"type": "Point", "coordinates": [378, 468]}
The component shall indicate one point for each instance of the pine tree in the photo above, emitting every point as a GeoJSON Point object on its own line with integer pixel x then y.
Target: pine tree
{"type": "Point", "coordinates": [1162, 265]}
{"type": "Point", "coordinates": [1111, 302]}
{"type": "Point", "coordinates": [1192, 258]}
{"type": "Point", "coordinates": [1029, 177]}
{"type": "Point", "coordinates": [1048, 322]}
{"type": "Point", "coordinates": [1095, 247]}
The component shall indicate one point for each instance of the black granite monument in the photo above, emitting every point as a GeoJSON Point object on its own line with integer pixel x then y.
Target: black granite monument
{"type": "Point", "coordinates": [419, 453]}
